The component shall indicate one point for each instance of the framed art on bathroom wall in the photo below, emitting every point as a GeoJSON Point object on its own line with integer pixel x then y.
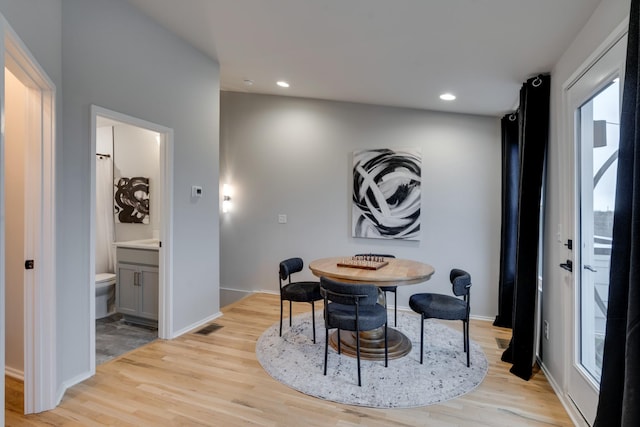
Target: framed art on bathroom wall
{"type": "Point", "coordinates": [131, 200]}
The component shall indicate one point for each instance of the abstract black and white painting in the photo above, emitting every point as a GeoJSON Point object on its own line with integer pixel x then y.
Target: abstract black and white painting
{"type": "Point", "coordinates": [386, 194]}
{"type": "Point", "coordinates": [132, 200]}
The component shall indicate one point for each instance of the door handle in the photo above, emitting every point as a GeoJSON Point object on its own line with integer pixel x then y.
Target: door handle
{"type": "Point", "coordinates": [588, 267]}
{"type": "Point", "coordinates": [567, 265]}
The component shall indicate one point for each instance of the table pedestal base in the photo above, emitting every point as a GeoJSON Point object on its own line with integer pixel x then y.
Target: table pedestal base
{"type": "Point", "coordinates": [372, 343]}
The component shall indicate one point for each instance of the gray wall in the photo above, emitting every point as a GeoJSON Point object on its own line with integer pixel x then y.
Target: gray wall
{"type": "Point", "coordinates": [293, 156]}
{"type": "Point", "coordinates": [117, 58]}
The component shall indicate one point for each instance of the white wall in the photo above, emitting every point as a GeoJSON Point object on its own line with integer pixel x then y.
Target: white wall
{"type": "Point", "coordinates": [558, 215]}
{"type": "Point", "coordinates": [15, 146]}
{"type": "Point", "coordinates": [137, 153]}
{"type": "Point", "coordinates": [293, 156]}
{"type": "Point", "coordinates": [119, 59]}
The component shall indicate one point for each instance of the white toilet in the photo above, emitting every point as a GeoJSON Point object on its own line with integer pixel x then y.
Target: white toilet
{"type": "Point", "coordinates": [105, 289]}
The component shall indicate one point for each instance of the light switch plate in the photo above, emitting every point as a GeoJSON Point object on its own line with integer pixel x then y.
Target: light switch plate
{"type": "Point", "coordinates": [282, 219]}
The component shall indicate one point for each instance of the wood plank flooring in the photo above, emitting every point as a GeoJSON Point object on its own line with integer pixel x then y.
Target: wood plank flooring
{"type": "Point", "coordinates": [216, 380]}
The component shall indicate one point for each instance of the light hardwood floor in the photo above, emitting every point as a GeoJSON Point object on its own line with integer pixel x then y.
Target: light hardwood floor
{"type": "Point", "coordinates": [216, 380]}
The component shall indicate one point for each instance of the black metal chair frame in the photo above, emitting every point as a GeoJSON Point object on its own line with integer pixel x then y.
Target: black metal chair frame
{"type": "Point", "coordinates": [282, 298]}
{"type": "Point", "coordinates": [328, 295]}
{"type": "Point", "coordinates": [466, 297]}
{"type": "Point", "coordinates": [386, 289]}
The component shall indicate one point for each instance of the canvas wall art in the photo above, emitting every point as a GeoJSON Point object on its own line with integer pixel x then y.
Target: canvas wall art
{"type": "Point", "coordinates": [386, 194]}
{"type": "Point", "coordinates": [132, 200]}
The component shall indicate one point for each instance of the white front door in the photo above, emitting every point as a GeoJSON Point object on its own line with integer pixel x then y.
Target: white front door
{"type": "Point", "coordinates": [594, 111]}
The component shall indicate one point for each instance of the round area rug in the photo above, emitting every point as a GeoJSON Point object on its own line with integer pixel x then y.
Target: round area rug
{"type": "Point", "coordinates": [296, 361]}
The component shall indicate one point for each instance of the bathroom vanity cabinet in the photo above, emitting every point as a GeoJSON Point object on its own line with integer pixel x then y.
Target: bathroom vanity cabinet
{"type": "Point", "coordinates": [137, 285]}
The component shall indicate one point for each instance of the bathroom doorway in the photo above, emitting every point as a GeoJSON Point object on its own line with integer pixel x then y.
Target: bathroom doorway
{"type": "Point", "coordinates": [131, 233]}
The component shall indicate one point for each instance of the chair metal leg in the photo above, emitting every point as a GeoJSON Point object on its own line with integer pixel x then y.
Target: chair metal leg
{"type": "Point", "coordinates": [421, 338]}
{"type": "Point", "coordinates": [386, 347]}
{"type": "Point", "coordinates": [358, 354]}
{"type": "Point", "coordinates": [313, 321]}
{"type": "Point", "coordinates": [326, 349]}
{"type": "Point", "coordinates": [289, 313]}
{"type": "Point", "coordinates": [468, 349]}
{"type": "Point", "coordinates": [395, 308]}
{"type": "Point", "coordinates": [280, 316]}
{"type": "Point", "coordinates": [338, 340]}
{"type": "Point", "coordinates": [464, 336]}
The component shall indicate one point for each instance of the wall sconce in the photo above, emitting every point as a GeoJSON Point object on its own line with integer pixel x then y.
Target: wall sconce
{"type": "Point", "coordinates": [226, 198]}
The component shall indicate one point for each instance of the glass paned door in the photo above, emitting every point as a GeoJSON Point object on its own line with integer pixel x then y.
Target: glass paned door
{"type": "Point", "coordinates": [599, 120]}
{"type": "Point", "coordinates": [593, 107]}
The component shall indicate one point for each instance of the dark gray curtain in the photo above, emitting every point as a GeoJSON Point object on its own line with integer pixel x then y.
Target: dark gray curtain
{"type": "Point", "coordinates": [619, 403]}
{"type": "Point", "coordinates": [534, 137]}
{"type": "Point", "coordinates": [510, 181]}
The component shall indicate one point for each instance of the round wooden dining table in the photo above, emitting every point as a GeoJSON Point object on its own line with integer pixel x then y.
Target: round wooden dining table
{"type": "Point", "coordinates": [388, 272]}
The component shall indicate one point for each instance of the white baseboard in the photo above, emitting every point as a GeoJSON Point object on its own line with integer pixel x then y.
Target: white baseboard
{"type": "Point", "coordinates": [70, 383]}
{"type": "Point", "coordinates": [483, 318]}
{"type": "Point", "coordinates": [229, 296]}
{"type": "Point", "coordinates": [241, 294]}
{"type": "Point", "coordinates": [574, 414]}
{"type": "Point", "coordinates": [195, 325]}
{"type": "Point", "coordinates": [79, 378]}
{"type": "Point", "coordinates": [14, 373]}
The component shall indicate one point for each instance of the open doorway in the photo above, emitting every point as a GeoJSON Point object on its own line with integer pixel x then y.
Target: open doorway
{"type": "Point", "coordinates": [131, 233]}
{"type": "Point", "coordinates": [27, 238]}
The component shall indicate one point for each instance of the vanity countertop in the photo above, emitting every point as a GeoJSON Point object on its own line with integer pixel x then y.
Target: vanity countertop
{"type": "Point", "coordinates": [150, 244]}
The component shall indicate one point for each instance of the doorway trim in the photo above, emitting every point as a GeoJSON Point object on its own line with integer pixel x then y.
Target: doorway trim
{"type": "Point", "coordinates": [165, 285]}
{"type": "Point", "coordinates": [40, 287]}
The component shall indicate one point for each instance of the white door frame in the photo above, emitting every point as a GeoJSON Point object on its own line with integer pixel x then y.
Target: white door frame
{"type": "Point", "coordinates": [579, 386]}
{"type": "Point", "coordinates": [40, 286]}
{"type": "Point", "coordinates": [165, 290]}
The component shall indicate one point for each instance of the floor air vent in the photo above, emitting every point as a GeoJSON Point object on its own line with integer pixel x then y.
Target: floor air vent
{"type": "Point", "coordinates": [503, 343]}
{"type": "Point", "coordinates": [209, 329]}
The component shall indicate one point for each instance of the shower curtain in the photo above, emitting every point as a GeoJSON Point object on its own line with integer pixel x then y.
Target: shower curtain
{"type": "Point", "coordinates": [105, 256]}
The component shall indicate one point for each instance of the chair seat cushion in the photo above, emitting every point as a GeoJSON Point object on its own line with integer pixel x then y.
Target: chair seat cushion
{"type": "Point", "coordinates": [438, 306]}
{"type": "Point", "coordinates": [301, 292]}
{"type": "Point", "coordinates": [343, 317]}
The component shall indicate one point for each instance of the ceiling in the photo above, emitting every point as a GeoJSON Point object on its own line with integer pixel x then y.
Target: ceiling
{"type": "Point", "coordinates": [402, 53]}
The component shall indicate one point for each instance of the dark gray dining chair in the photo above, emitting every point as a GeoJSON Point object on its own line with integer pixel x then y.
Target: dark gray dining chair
{"type": "Point", "coordinates": [385, 289]}
{"type": "Point", "coordinates": [352, 307]}
{"type": "Point", "coordinates": [446, 307]}
{"type": "Point", "coordinates": [307, 291]}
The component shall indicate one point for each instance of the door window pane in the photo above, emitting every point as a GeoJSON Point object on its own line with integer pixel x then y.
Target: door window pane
{"type": "Point", "coordinates": [599, 134]}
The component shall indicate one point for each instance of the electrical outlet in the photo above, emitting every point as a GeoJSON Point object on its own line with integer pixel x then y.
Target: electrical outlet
{"type": "Point", "coordinates": [546, 330]}
{"type": "Point", "coordinates": [282, 219]}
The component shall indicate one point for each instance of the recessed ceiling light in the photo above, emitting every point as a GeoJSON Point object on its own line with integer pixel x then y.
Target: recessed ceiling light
{"type": "Point", "coordinates": [447, 97]}
{"type": "Point", "coordinates": [282, 83]}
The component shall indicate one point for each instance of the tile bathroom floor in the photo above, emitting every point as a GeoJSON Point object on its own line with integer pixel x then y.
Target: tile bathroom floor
{"type": "Point", "coordinates": [115, 337]}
